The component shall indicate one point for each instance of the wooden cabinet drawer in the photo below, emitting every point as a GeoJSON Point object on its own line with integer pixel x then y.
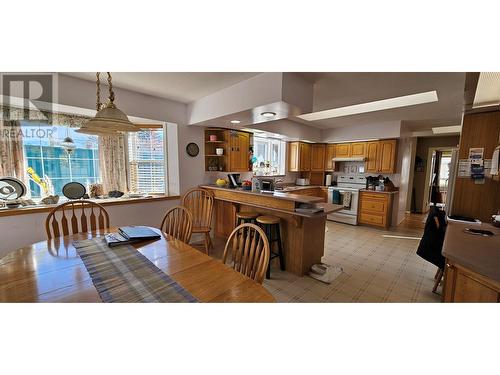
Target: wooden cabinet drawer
{"type": "Point", "coordinates": [373, 219]}
{"type": "Point", "coordinates": [374, 196]}
{"type": "Point", "coordinates": [375, 205]}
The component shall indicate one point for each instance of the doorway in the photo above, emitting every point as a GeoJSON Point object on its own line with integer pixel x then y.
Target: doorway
{"type": "Point", "coordinates": [438, 178]}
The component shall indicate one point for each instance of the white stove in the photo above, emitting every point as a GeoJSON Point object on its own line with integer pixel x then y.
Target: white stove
{"type": "Point", "coordinates": [351, 184]}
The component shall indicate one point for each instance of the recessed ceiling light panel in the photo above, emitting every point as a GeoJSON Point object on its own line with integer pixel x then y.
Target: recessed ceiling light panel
{"type": "Point", "coordinates": [378, 105]}
{"type": "Point", "coordinates": [447, 129]}
{"type": "Point", "coordinates": [488, 90]}
{"type": "Point", "coordinates": [235, 121]}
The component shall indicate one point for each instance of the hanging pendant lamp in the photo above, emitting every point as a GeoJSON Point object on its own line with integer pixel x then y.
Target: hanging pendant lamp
{"type": "Point", "coordinates": [109, 120]}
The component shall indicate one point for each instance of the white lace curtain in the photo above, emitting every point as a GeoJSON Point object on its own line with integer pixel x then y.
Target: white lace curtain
{"type": "Point", "coordinates": [113, 163]}
{"type": "Point", "coordinates": [11, 150]}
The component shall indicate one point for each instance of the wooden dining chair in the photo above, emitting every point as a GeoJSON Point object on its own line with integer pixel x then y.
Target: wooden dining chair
{"type": "Point", "coordinates": [76, 217]}
{"type": "Point", "coordinates": [178, 222]}
{"type": "Point", "coordinates": [200, 203]}
{"type": "Point", "coordinates": [247, 251]}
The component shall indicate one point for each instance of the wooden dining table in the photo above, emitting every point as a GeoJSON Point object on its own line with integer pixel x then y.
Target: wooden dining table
{"type": "Point", "coordinates": [52, 271]}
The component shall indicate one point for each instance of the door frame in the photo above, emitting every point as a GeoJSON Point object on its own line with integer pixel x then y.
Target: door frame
{"type": "Point", "coordinates": [425, 198]}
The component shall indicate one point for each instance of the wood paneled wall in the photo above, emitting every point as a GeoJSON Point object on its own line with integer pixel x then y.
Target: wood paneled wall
{"type": "Point", "coordinates": [478, 201]}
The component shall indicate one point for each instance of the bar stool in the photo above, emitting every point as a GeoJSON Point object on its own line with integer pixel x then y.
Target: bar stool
{"type": "Point", "coordinates": [268, 223]}
{"type": "Point", "coordinates": [246, 217]}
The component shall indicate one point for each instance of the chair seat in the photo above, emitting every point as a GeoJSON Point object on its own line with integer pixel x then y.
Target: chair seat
{"type": "Point", "coordinates": [201, 229]}
{"type": "Point", "coordinates": [268, 220]}
{"type": "Point", "coordinates": [247, 215]}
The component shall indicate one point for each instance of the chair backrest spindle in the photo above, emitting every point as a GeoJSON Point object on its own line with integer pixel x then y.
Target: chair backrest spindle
{"type": "Point", "coordinates": [53, 229]}
{"type": "Point", "coordinates": [247, 251]}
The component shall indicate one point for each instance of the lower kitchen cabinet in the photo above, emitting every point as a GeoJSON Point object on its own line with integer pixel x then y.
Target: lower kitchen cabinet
{"type": "Point", "coordinates": [225, 218]}
{"type": "Point", "coordinates": [375, 208]}
{"type": "Point", "coordinates": [464, 285]}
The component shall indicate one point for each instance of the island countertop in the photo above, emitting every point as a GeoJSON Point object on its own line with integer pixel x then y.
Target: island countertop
{"type": "Point", "coordinates": [280, 194]}
{"type": "Point", "coordinates": [478, 253]}
{"type": "Point", "coordinates": [277, 201]}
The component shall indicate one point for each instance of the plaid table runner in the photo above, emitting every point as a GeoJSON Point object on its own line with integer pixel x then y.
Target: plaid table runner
{"type": "Point", "coordinates": [122, 274]}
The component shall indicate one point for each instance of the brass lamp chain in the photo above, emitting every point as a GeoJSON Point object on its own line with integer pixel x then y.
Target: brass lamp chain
{"type": "Point", "coordinates": [111, 92]}
{"type": "Point", "coordinates": [98, 93]}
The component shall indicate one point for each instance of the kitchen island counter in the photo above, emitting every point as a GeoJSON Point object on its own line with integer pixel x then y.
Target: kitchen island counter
{"type": "Point", "coordinates": [303, 234]}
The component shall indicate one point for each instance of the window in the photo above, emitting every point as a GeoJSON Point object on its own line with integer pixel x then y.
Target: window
{"type": "Point", "coordinates": [269, 156]}
{"type": "Point", "coordinates": [146, 154]}
{"type": "Point", "coordinates": [44, 153]}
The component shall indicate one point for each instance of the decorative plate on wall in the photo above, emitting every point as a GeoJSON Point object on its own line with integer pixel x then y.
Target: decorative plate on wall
{"type": "Point", "coordinates": [192, 149]}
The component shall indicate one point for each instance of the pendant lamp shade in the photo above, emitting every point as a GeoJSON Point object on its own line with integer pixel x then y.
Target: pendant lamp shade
{"type": "Point", "coordinates": [109, 120]}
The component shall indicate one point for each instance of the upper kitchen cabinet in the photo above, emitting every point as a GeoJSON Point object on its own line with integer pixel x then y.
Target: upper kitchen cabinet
{"type": "Point", "coordinates": [299, 157]}
{"type": "Point", "coordinates": [381, 156]}
{"type": "Point", "coordinates": [358, 149]}
{"type": "Point", "coordinates": [226, 150]}
{"type": "Point", "coordinates": [343, 150]}
{"type": "Point", "coordinates": [317, 157]}
{"type": "Point", "coordinates": [239, 151]}
{"type": "Point", "coordinates": [329, 155]}
{"type": "Point", "coordinates": [293, 156]}
{"type": "Point", "coordinates": [388, 156]}
{"type": "Point", "coordinates": [305, 157]}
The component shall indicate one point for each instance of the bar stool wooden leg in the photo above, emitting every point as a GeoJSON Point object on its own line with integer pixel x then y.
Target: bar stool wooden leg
{"type": "Point", "coordinates": [267, 230]}
{"type": "Point", "coordinates": [439, 276]}
{"type": "Point", "coordinates": [280, 248]}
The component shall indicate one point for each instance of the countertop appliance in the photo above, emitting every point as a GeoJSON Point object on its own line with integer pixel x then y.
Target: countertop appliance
{"type": "Point", "coordinates": [266, 185]}
{"type": "Point", "coordinates": [346, 183]}
{"type": "Point", "coordinates": [302, 182]}
{"type": "Point", "coordinates": [234, 180]}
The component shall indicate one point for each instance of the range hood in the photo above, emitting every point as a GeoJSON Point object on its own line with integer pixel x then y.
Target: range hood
{"type": "Point", "coordinates": [356, 158]}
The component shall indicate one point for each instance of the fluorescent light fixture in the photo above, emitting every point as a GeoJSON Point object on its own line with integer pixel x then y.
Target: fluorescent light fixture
{"type": "Point", "coordinates": [487, 90]}
{"type": "Point", "coordinates": [447, 129]}
{"type": "Point", "coordinates": [379, 105]}
{"type": "Point", "coordinates": [268, 114]}
{"type": "Point", "coordinates": [235, 121]}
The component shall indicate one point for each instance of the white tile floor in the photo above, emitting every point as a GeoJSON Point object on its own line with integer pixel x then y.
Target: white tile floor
{"type": "Point", "coordinates": [375, 269]}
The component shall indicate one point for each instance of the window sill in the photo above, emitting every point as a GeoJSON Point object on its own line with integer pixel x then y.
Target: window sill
{"type": "Point", "coordinates": [105, 202]}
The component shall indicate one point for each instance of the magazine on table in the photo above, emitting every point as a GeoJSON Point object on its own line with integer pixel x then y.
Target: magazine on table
{"type": "Point", "coordinates": [130, 234]}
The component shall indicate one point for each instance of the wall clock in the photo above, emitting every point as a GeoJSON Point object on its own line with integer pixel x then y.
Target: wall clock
{"type": "Point", "coordinates": [192, 149]}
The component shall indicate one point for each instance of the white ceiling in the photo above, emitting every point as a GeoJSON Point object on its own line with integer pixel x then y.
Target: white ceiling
{"type": "Point", "coordinates": [331, 90]}
{"type": "Point", "coordinates": [334, 90]}
{"type": "Point", "coordinates": [180, 87]}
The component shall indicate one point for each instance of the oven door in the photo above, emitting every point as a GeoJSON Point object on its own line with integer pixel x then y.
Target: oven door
{"type": "Point", "coordinates": [353, 208]}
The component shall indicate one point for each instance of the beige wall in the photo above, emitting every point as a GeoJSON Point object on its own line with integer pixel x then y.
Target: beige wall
{"type": "Point", "coordinates": [423, 146]}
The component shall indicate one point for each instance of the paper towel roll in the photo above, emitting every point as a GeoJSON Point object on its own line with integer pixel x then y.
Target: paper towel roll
{"type": "Point", "coordinates": [328, 180]}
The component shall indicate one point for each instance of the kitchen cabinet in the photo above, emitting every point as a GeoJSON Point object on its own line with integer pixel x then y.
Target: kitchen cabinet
{"type": "Point", "coordinates": [299, 157]}
{"type": "Point", "coordinates": [342, 150]}
{"type": "Point", "coordinates": [358, 149]}
{"type": "Point", "coordinates": [235, 146]}
{"type": "Point", "coordinates": [464, 285]}
{"type": "Point", "coordinates": [293, 156]}
{"type": "Point", "coordinates": [375, 208]}
{"type": "Point", "coordinates": [329, 154]}
{"type": "Point", "coordinates": [387, 156]}
{"type": "Point", "coordinates": [225, 218]}
{"type": "Point", "coordinates": [317, 157]}
{"type": "Point", "coordinates": [305, 157]}
{"type": "Point", "coordinates": [371, 164]}
{"type": "Point", "coordinates": [239, 151]}
{"type": "Point", "coordinates": [381, 156]}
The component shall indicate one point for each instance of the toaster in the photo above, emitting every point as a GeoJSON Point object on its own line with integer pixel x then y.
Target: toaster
{"type": "Point", "coordinates": [302, 181]}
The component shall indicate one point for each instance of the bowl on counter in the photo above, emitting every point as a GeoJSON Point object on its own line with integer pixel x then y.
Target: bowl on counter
{"type": "Point", "coordinates": [220, 182]}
